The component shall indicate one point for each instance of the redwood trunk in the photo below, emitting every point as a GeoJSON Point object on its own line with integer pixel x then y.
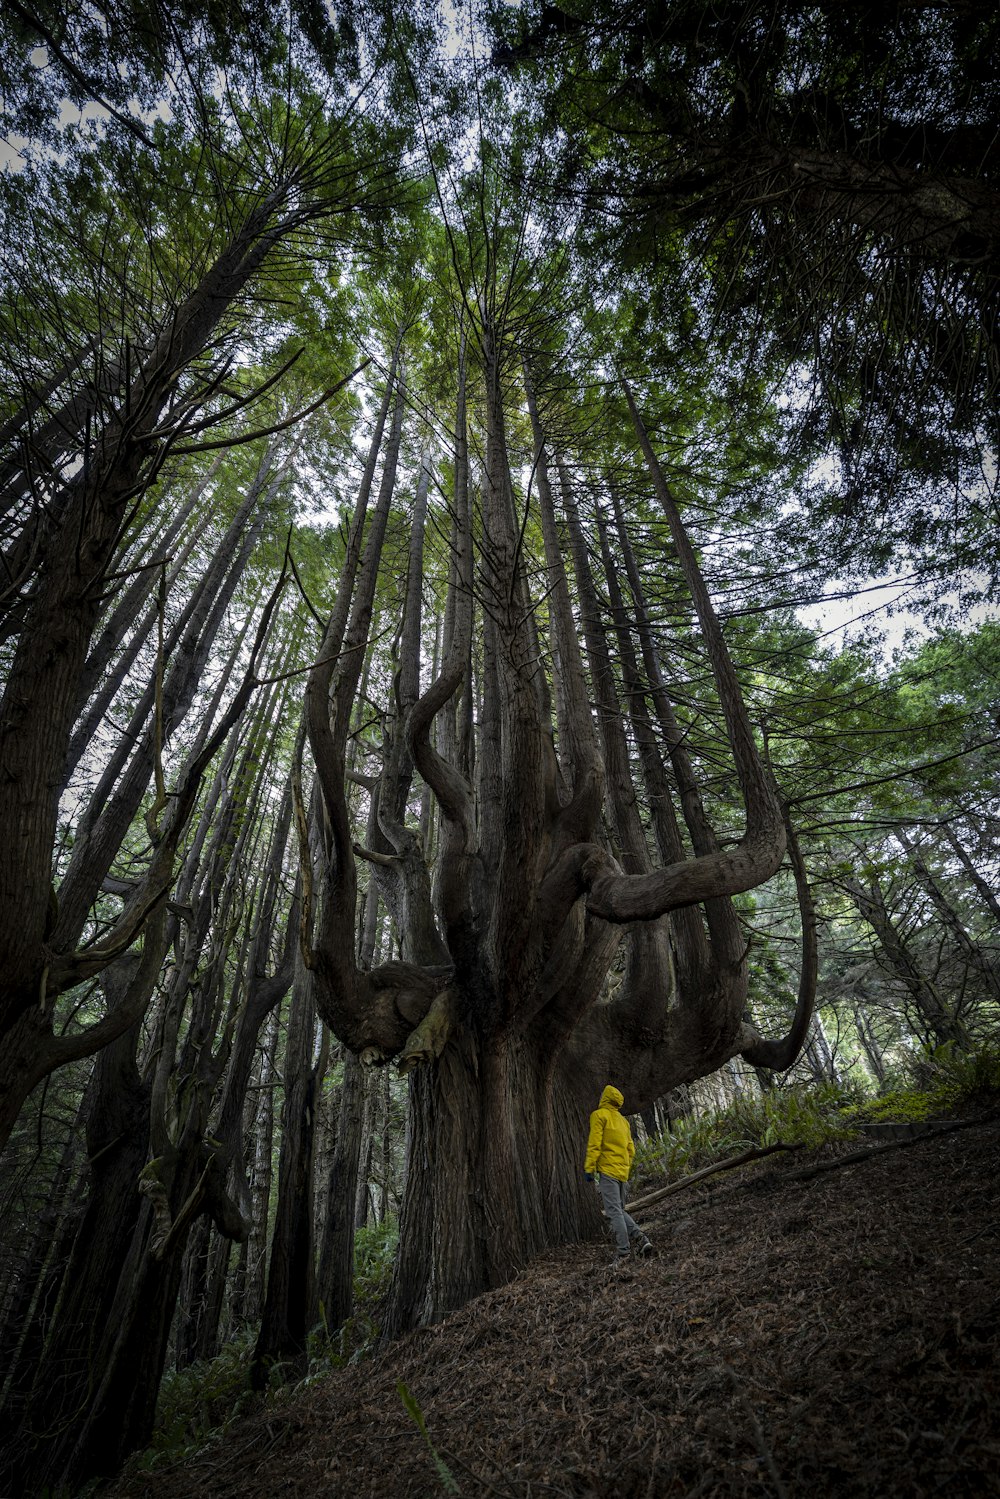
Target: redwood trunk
{"type": "Point", "coordinates": [493, 1175]}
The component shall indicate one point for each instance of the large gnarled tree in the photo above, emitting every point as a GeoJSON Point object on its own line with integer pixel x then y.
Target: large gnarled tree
{"type": "Point", "coordinates": [509, 1002]}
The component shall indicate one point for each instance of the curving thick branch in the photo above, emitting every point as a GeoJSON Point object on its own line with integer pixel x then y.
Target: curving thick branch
{"type": "Point", "coordinates": [778, 1055]}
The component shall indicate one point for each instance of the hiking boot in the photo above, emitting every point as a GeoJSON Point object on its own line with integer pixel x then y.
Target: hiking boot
{"type": "Point", "coordinates": [644, 1249]}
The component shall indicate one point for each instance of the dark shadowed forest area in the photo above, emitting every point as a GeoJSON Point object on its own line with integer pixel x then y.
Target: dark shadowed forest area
{"type": "Point", "coordinates": [498, 599]}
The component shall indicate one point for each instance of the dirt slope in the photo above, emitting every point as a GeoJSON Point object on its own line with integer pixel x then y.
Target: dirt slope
{"type": "Point", "coordinates": [792, 1337]}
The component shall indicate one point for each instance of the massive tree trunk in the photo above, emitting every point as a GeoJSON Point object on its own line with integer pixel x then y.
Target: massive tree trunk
{"type": "Point", "coordinates": [493, 1169]}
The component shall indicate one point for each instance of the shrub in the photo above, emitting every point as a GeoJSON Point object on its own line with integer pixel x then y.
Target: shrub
{"type": "Point", "coordinates": [937, 1081]}
{"type": "Point", "coordinates": [961, 1073]}
{"type": "Point", "coordinates": [374, 1252]}
{"type": "Point", "coordinates": [197, 1402]}
{"type": "Point", "coordinates": [200, 1401]}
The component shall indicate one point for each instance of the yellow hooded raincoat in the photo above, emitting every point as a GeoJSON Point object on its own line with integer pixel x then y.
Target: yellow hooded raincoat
{"type": "Point", "coordinates": [609, 1144]}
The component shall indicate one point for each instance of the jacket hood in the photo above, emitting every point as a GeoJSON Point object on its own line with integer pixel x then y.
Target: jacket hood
{"type": "Point", "coordinates": [612, 1097]}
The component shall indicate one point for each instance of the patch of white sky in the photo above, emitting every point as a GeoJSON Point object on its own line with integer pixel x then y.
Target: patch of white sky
{"type": "Point", "coordinates": [887, 609]}
{"type": "Point", "coordinates": [891, 606]}
{"type": "Point", "coordinates": [14, 149]}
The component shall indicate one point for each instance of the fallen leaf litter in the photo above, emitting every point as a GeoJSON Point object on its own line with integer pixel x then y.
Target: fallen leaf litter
{"type": "Point", "coordinates": [829, 1336]}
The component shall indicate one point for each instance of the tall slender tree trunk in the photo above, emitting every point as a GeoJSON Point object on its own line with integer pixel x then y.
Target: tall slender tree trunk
{"type": "Point", "coordinates": [64, 1371]}
{"type": "Point", "coordinates": [869, 1044]}
{"type": "Point", "coordinates": [290, 1297]}
{"type": "Point", "coordinates": [985, 890]}
{"type": "Point", "coordinates": [246, 1307]}
{"type": "Point", "coordinates": [935, 1017]}
{"type": "Point", "coordinates": [971, 953]}
{"type": "Point", "coordinates": [335, 1279]}
{"type": "Point", "coordinates": [123, 619]}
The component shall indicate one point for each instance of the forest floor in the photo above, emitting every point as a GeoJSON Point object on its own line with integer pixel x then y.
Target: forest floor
{"type": "Point", "coordinates": [831, 1333]}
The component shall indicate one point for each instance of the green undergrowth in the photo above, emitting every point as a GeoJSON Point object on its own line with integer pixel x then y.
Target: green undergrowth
{"type": "Point", "coordinates": [374, 1252]}
{"type": "Point", "coordinates": [934, 1084]}
{"type": "Point", "coordinates": [202, 1399]}
{"type": "Point", "coordinates": [810, 1116]}
{"type": "Point", "coordinates": [199, 1403]}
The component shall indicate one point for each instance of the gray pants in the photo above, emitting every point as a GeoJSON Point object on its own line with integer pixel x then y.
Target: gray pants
{"type": "Point", "coordinates": [625, 1228]}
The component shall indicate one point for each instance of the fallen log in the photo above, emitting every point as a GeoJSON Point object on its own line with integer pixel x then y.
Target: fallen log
{"type": "Point", "coordinates": [876, 1150]}
{"type": "Point", "coordinates": [755, 1154]}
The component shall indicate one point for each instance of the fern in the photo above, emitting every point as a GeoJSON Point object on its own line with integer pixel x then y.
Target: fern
{"type": "Point", "coordinates": [445, 1474]}
{"type": "Point", "coordinates": [792, 1116]}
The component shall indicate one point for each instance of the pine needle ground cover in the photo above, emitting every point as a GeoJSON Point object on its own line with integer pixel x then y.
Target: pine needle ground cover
{"type": "Point", "coordinates": [797, 1333]}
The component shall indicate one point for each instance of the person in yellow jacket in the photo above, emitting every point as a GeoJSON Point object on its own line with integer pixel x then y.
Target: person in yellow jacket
{"type": "Point", "coordinates": [609, 1158]}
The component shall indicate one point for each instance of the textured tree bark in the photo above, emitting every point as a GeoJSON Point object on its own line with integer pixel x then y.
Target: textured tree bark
{"type": "Point", "coordinates": [335, 1278]}
{"type": "Point", "coordinates": [290, 1297]}
{"type": "Point", "coordinates": [183, 1181]}
{"type": "Point", "coordinates": [493, 1172]}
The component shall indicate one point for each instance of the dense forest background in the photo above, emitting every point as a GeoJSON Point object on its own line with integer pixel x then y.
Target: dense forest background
{"type": "Point", "coordinates": [499, 524]}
